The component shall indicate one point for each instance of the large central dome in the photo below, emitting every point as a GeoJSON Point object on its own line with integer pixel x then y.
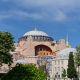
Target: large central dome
{"type": "Point", "coordinates": [35, 32]}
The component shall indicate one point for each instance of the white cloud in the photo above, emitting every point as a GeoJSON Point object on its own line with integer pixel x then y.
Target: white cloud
{"type": "Point", "coordinates": [50, 9]}
{"type": "Point", "coordinates": [60, 16]}
{"type": "Point", "coordinates": [26, 15]}
{"type": "Point", "coordinates": [4, 16]}
{"type": "Point", "coordinates": [20, 14]}
{"type": "Point", "coordinates": [55, 10]}
{"type": "Point", "coordinates": [49, 3]}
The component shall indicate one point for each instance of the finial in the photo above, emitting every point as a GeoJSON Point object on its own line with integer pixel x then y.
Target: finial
{"type": "Point", "coordinates": [35, 29]}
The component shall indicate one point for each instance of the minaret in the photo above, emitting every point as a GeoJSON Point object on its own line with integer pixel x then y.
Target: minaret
{"type": "Point", "coordinates": [67, 41]}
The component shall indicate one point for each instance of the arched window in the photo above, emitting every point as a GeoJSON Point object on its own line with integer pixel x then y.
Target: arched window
{"type": "Point", "coordinates": [43, 48]}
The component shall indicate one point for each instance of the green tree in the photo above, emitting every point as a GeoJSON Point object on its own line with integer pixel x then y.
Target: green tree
{"type": "Point", "coordinates": [77, 58]}
{"type": "Point", "coordinates": [64, 74]}
{"type": "Point", "coordinates": [71, 71]}
{"type": "Point", "coordinates": [25, 72]}
{"type": "Point", "coordinates": [6, 45]}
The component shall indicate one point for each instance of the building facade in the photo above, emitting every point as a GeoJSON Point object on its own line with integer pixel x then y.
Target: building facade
{"type": "Point", "coordinates": [60, 62]}
{"type": "Point", "coordinates": [39, 48]}
{"type": "Point", "coordinates": [35, 42]}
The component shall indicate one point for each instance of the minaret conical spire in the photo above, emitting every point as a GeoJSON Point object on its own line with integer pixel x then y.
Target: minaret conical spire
{"type": "Point", "coordinates": [67, 40]}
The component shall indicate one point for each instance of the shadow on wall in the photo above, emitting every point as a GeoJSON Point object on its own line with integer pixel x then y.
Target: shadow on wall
{"type": "Point", "coordinates": [42, 50]}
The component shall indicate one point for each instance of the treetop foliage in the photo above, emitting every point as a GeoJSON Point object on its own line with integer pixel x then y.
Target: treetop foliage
{"type": "Point", "coordinates": [64, 74]}
{"type": "Point", "coordinates": [25, 72]}
{"type": "Point", "coordinates": [71, 71]}
{"type": "Point", "coordinates": [6, 45]}
{"type": "Point", "coordinates": [77, 56]}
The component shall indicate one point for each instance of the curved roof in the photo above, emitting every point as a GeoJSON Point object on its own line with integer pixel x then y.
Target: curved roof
{"type": "Point", "coordinates": [65, 52]}
{"type": "Point", "coordinates": [35, 33]}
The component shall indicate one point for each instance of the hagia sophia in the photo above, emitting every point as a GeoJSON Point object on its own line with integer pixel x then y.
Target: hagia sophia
{"type": "Point", "coordinates": [36, 44]}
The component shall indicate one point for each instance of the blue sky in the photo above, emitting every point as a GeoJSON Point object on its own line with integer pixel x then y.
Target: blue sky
{"type": "Point", "coordinates": [55, 17]}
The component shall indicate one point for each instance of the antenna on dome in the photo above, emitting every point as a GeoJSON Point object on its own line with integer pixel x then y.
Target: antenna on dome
{"type": "Point", "coordinates": [35, 29]}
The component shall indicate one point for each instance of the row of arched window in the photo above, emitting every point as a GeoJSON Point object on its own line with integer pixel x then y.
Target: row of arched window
{"type": "Point", "coordinates": [39, 38]}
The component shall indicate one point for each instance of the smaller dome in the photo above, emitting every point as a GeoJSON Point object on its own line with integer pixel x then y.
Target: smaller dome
{"type": "Point", "coordinates": [65, 52]}
{"type": "Point", "coordinates": [35, 33]}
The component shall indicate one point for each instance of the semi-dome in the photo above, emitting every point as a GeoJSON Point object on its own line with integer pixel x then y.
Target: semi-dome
{"type": "Point", "coordinates": [35, 33]}
{"type": "Point", "coordinates": [65, 52]}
